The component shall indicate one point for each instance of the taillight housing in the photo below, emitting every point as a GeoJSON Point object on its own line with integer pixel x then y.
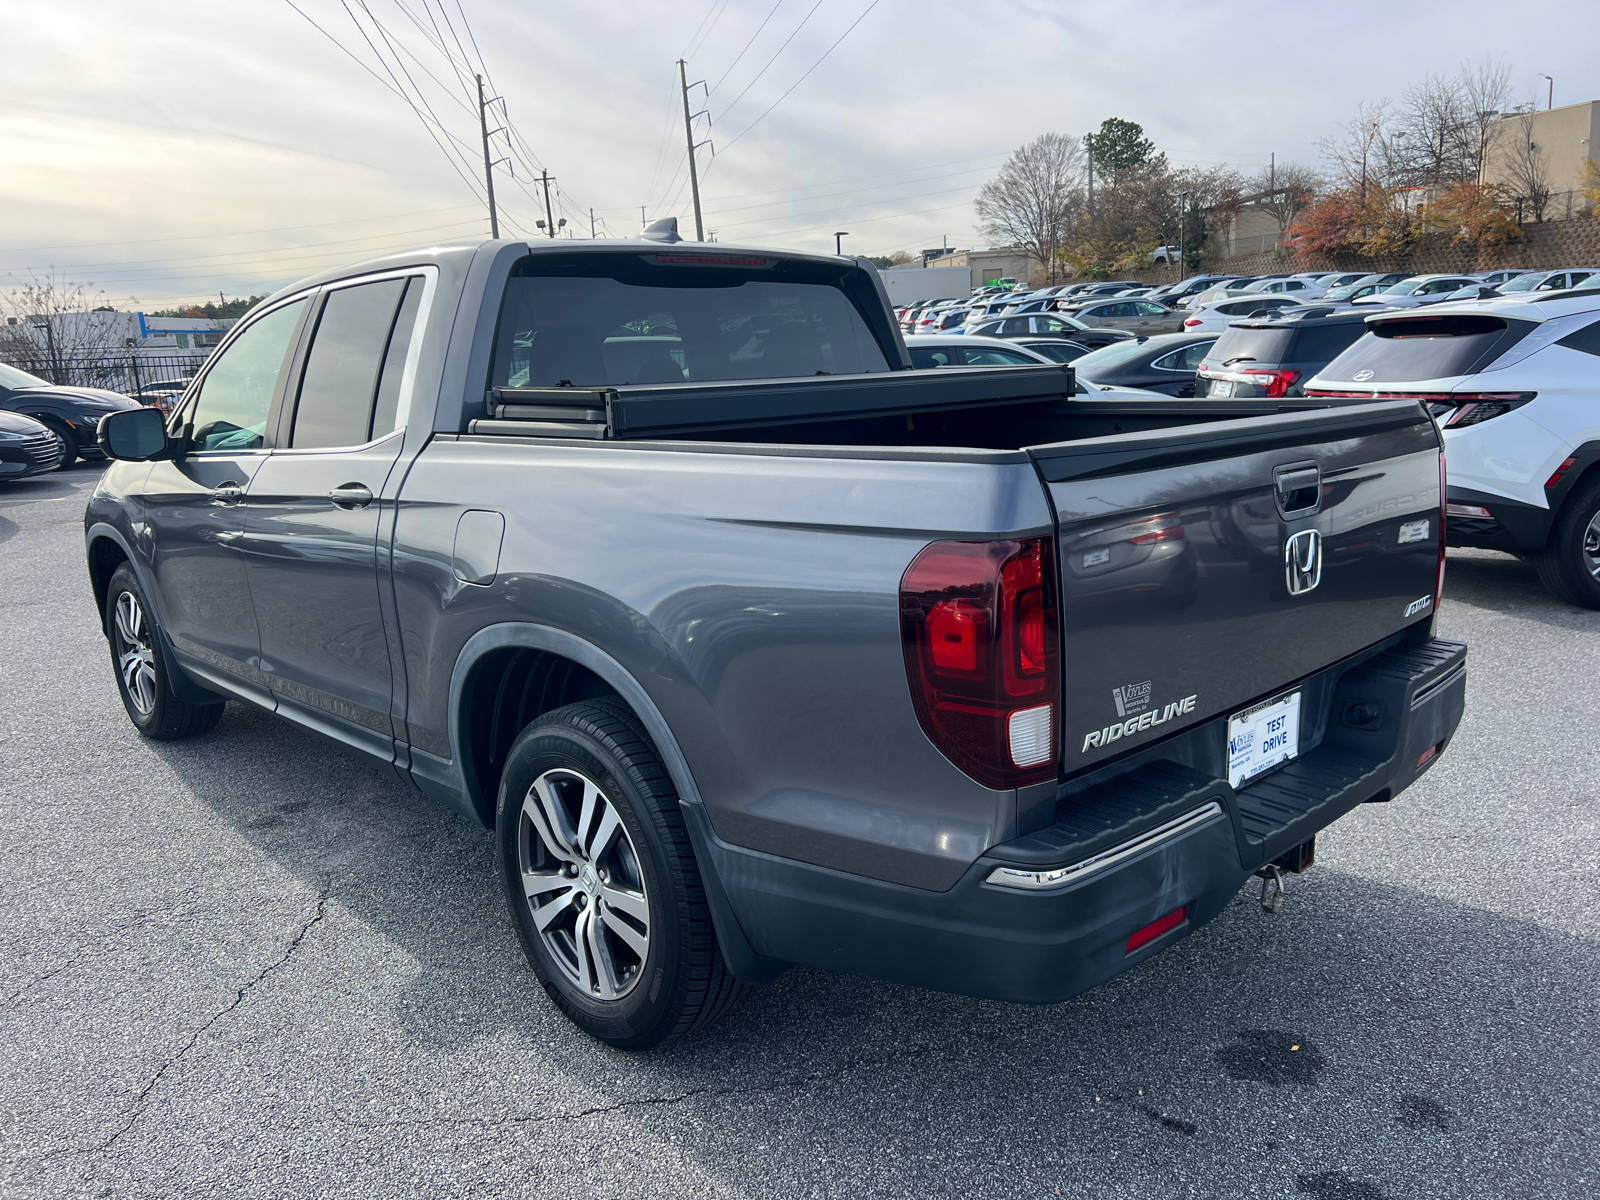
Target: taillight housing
{"type": "Point", "coordinates": [1273, 383]}
{"type": "Point", "coordinates": [978, 627]}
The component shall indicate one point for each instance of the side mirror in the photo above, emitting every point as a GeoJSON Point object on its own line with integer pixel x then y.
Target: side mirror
{"type": "Point", "coordinates": [134, 435]}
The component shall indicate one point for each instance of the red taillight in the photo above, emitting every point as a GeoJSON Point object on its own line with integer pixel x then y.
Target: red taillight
{"type": "Point", "coordinates": [1273, 383]}
{"type": "Point", "coordinates": [1156, 928]}
{"type": "Point", "coordinates": [1444, 504]}
{"type": "Point", "coordinates": [1566, 465]}
{"type": "Point", "coordinates": [1192, 322]}
{"type": "Point", "coordinates": [978, 622]}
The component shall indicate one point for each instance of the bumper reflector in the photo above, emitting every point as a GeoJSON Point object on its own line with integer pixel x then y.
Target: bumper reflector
{"type": "Point", "coordinates": [1427, 755]}
{"type": "Point", "coordinates": [1467, 510]}
{"type": "Point", "coordinates": [1156, 928]}
{"type": "Point", "coordinates": [1029, 730]}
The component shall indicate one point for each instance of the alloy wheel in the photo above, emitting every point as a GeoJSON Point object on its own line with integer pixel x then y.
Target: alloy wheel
{"type": "Point", "coordinates": [136, 660]}
{"type": "Point", "coordinates": [1591, 546]}
{"type": "Point", "coordinates": [583, 883]}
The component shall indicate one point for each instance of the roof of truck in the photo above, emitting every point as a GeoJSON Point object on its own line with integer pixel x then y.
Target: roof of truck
{"type": "Point", "coordinates": [461, 253]}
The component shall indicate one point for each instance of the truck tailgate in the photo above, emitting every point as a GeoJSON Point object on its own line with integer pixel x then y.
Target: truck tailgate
{"type": "Point", "coordinates": [1178, 549]}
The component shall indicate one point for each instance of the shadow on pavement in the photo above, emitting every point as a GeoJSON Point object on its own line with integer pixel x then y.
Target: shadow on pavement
{"type": "Point", "coordinates": [1363, 1042]}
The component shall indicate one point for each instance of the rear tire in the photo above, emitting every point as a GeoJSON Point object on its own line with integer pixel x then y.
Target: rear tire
{"type": "Point", "coordinates": [1570, 564]}
{"type": "Point", "coordinates": [602, 882]}
{"type": "Point", "coordinates": [141, 669]}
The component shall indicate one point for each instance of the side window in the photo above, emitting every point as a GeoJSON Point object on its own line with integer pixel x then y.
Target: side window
{"type": "Point", "coordinates": [386, 411]}
{"type": "Point", "coordinates": [1586, 339]}
{"type": "Point", "coordinates": [1169, 362]}
{"type": "Point", "coordinates": [231, 412]}
{"type": "Point", "coordinates": [1150, 309]}
{"type": "Point", "coordinates": [1014, 325]}
{"type": "Point", "coordinates": [1194, 355]}
{"type": "Point", "coordinates": [340, 385]}
{"type": "Point", "coordinates": [922, 359]}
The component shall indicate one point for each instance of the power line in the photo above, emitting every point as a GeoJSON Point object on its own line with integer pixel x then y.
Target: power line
{"type": "Point", "coordinates": [802, 78]}
{"type": "Point", "coordinates": [395, 89]}
{"type": "Point", "coordinates": [773, 59]}
{"type": "Point", "coordinates": [741, 53]}
{"type": "Point", "coordinates": [702, 41]}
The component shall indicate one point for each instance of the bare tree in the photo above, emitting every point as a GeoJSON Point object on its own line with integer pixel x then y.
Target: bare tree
{"type": "Point", "coordinates": [1528, 166]}
{"type": "Point", "coordinates": [1284, 193]}
{"type": "Point", "coordinates": [51, 320]}
{"type": "Point", "coordinates": [1367, 149]}
{"type": "Point", "coordinates": [1432, 113]}
{"type": "Point", "coordinates": [1035, 200]}
{"type": "Point", "coordinates": [1486, 89]}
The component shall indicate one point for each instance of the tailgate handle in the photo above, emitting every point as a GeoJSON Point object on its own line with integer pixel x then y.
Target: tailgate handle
{"type": "Point", "coordinates": [1299, 487]}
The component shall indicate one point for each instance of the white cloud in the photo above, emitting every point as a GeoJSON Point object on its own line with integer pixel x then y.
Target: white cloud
{"type": "Point", "coordinates": [131, 123]}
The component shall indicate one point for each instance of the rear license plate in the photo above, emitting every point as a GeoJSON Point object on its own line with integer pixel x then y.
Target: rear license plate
{"type": "Point", "coordinates": [1262, 737]}
{"type": "Point", "coordinates": [1222, 387]}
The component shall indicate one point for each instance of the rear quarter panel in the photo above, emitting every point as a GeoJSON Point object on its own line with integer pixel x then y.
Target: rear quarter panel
{"type": "Point", "coordinates": [755, 599]}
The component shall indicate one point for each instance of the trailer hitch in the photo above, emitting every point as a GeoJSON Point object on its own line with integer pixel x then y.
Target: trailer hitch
{"type": "Point", "coordinates": [1274, 886]}
{"type": "Point", "coordinates": [1274, 875]}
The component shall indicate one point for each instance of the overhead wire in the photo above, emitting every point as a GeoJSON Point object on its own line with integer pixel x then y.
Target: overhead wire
{"type": "Point", "coordinates": [772, 60]}
{"type": "Point", "coordinates": [802, 78]}
{"type": "Point", "coordinates": [737, 57]}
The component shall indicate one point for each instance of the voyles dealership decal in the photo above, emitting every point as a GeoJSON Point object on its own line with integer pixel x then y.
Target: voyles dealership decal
{"type": "Point", "coordinates": [1145, 720]}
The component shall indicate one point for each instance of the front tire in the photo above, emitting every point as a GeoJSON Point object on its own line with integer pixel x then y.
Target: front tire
{"type": "Point", "coordinates": [1570, 564]}
{"type": "Point", "coordinates": [69, 440]}
{"type": "Point", "coordinates": [602, 882]}
{"type": "Point", "coordinates": [141, 670]}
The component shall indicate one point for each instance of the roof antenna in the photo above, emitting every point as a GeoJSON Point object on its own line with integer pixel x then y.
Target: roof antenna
{"type": "Point", "coordinates": [664, 230]}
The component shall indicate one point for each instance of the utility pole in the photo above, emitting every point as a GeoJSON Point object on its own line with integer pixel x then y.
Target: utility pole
{"type": "Point", "coordinates": [642, 220]}
{"type": "Point", "coordinates": [488, 167]}
{"type": "Point", "coordinates": [549, 217]}
{"type": "Point", "coordinates": [1091, 187]}
{"type": "Point", "coordinates": [591, 223]}
{"type": "Point", "coordinates": [688, 133]}
{"type": "Point", "coordinates": [1183, 233]}
{"type": "Point", "coordinates": [1272, 173]}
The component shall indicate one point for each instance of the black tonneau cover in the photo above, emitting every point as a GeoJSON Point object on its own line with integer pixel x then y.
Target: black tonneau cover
{"type": "Point", "coordinates": [671, 409]}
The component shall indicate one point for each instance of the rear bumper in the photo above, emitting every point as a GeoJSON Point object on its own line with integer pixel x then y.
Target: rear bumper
{"type": "Point", "coordinates": [983, 939]}
{"type": "Point", "coordinates": [1512, 526]}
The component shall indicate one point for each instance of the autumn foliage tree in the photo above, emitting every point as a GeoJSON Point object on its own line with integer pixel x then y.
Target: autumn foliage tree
{"type": "Point", "coordinates": [1476, 215]}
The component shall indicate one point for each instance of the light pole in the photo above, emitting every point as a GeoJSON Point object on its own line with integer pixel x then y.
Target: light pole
{"type": "Point", "coordinates": [1551, 101]}
{"type": "Point", "coordinates": [50, 343]}
{"type": "Point", "coordinates": [837, 249]}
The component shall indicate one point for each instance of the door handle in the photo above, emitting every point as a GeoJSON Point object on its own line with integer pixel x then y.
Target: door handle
{"type": "Point", "coordinates": [227, 493]}
{"type": "Point", "coordinates": [351, 495]}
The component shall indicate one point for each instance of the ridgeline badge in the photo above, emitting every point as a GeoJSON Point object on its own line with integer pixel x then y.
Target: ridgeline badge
{"type": "Point", "coordinates": [1149, 719]}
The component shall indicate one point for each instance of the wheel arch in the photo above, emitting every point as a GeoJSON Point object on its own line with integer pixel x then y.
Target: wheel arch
{"type": "Point", "coordinates": [568, 667]}
{"type": "Point", "coordinates": [478, 657]}
{"type": "Point", "coordinates": [1580, 475]}
{"type": "Point", "coordinates": [106, 552]}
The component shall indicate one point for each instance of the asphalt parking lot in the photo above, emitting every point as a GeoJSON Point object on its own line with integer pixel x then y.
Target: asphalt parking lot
{"type": "Point", "coordinates": [245, 965]}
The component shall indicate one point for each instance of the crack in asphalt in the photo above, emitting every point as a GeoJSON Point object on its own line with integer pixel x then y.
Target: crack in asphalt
{"type": "Point", "coordinates": [797, 1081]}
{"type": "Point", "coordinates": [90, 950]}
{"type": "Point", "coordinates": [194, 1038]}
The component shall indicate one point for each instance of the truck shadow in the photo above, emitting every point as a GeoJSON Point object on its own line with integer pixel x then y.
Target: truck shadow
{"type": "Point", "coordinates": [1363, 1030]}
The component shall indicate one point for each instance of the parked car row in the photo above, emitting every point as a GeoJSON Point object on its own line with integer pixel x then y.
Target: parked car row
{"type": "Point", "coordinates": [65, 418]}
{"type": "Point", "coordinates": [1508, 363]}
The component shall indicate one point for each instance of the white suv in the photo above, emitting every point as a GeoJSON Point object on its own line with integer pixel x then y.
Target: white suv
{"type": "Point", "coordinates": [1515, 387]}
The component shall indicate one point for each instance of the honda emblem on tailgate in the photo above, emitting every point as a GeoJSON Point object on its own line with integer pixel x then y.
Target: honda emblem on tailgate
{"type": "Point", "coordinates": [1302, 562]}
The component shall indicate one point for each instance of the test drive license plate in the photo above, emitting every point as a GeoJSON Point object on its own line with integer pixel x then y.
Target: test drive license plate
{"type": "Point", "coordinates": [1262, 737]}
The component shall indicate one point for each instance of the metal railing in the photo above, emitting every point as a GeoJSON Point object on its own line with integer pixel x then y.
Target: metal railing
{"type": "Point", "coordinates": [125, 373]}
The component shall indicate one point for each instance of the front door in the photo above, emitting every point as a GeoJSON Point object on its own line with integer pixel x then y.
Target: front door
{"type": "Point", "coordinates": [193, 505]}
{"type": "Point", "coordinates": [313, 515]}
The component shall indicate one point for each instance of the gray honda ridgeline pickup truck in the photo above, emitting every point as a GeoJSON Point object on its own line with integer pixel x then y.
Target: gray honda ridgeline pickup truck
{"type": "Point", "coordinates": [755, 646]}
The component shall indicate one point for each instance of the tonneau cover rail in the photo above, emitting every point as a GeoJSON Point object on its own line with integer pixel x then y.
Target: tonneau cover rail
{"type": "Point", "coordinates": [672, 409]}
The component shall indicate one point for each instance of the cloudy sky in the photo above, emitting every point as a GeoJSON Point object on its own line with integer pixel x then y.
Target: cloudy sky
{"type": "Point", "coordinates": [172, 151]}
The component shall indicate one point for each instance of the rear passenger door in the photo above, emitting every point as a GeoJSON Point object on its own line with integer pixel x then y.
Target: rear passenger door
{"type": "Point", "coordinates": [312, 513]}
